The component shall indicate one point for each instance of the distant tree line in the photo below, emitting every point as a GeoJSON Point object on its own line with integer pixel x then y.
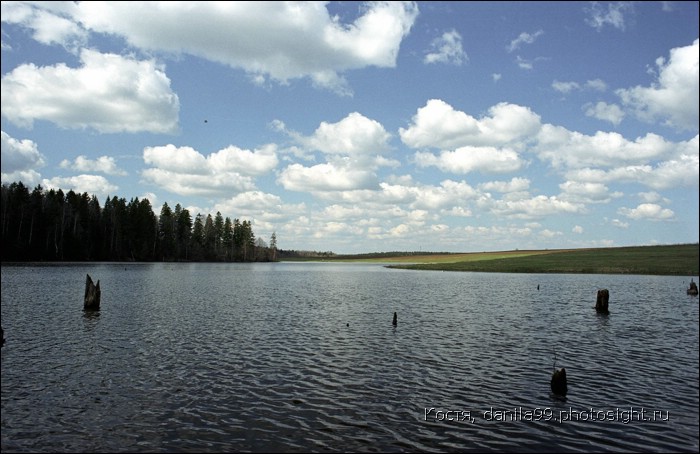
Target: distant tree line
{"type": "Point", "coordinates": [293, 254]}
{"type": "Point", "coordinates": [379, 255]}
{"type": "Point", "coordinates": [50, 225]}
{"type": "Point", "coordinates": [329, 255]}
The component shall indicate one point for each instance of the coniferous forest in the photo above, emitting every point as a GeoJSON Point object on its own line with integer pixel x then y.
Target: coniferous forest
{"type": "Point", "coordinates": [50, 225]}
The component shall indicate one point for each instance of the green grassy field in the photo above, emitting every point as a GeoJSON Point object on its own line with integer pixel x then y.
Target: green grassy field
{"type": "Point", "coordinates": [678, 260]}
{"type": "Point", "coordinates": [443, 257]}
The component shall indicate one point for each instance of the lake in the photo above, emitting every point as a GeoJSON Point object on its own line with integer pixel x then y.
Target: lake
{"type": "Point", "coordinates": [297, 357]}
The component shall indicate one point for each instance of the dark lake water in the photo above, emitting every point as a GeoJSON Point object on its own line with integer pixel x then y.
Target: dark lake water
{"type": "Point", "coordinates": [304, 357]}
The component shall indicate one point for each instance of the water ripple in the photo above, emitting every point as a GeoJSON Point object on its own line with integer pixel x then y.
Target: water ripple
{"type": "Point", "coordinates": [303, 357]}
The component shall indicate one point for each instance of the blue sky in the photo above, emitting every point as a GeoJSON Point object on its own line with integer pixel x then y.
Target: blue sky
{"type": "Point", "coordinates": [357, 127]}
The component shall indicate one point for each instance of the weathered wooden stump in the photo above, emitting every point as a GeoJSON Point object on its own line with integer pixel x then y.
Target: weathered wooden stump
{"type": "Point", "coordinates": [395, 320]}
{"type": "Point", "coordinates": [693, 289]}
{"type": "Point", "coordinates": [558, 382]}
{"type": "Point", "coordinates": [92, 295]}
{"type": "Point", "coordinates": [601, 303]}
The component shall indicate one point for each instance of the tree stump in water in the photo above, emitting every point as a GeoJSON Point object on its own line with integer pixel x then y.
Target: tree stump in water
{"type": "Point", "coordinates": [558, 382]}
{"type": "Point", "coordinates": [693, 289]}
{"type": "Point", "coordinates": [601, 304]}
{"type": "Point", "coordinates": [92, 295]}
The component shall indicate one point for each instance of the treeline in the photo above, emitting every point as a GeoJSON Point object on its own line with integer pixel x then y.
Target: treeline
{"type": "Point", "coordinates": [50, 225]}
{"type": "Point", "coordinates": [381, 255]}
{"type": "Point", "coordinates": [329, 255]}
{"type": "Point", "coordinates": [283, 254]}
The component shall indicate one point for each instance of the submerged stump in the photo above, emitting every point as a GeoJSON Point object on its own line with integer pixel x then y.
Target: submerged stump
{"type": "Point", "coordinates": [92, 295]}
{"type": "Point", "coordinates": [601, 304]}
{"type": "Point", "coordinates": [693, 289]}
{"type": "Point", "coordinates": [558, 382]}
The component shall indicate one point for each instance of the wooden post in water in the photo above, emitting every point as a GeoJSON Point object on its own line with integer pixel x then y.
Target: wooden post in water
{"type": "Point", "coordinates": [558, 382]}
{"type": "Point", "coordinates": [601, 303]}
{"type": "Point", "coordinates": [395, 321]}
{"type": "Point", "coordinates": [92, 295]}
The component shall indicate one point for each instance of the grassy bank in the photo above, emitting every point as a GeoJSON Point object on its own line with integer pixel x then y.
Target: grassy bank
{"type": "Point", "coordinates": [678, 260]}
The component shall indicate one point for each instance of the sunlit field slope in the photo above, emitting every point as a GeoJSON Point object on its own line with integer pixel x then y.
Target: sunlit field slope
{"type": "Point", "coordinates": [681, 260]}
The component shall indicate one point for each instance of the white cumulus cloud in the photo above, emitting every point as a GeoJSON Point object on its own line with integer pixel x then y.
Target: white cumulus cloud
{"type": "Point", "coordinates": [109, 93]}
{"type": "Point", "coordinates": [276, 40]}
{"type": "Point", "coordinates": [647, 211]}
{"type": "Point", "coordinates": [447, 49]}
{"type": "Point", "coordinates": [524, 38]}
{"type": "Point", "coordinates": [19, 160]}
{"type": "Point", "coordinates": [186, 171]}
{"type": "Point", "coordinates": [674, 96]}
{"type": "Point", "coordinates": [439, 125]}
{"type": "Point", "coordinates": [104, 164]}
{"type": "Point", "coordinates": [604, 111]}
